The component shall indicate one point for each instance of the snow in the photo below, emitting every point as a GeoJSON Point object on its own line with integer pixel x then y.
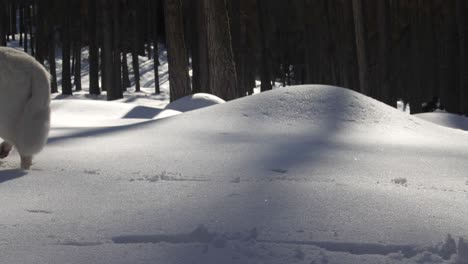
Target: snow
{"type": "Point", "coordinates": [446, 119]}
{"type": "Point", "coordinates": [301, 174]}
{"type": "Point", "coordinates": [194, 101]}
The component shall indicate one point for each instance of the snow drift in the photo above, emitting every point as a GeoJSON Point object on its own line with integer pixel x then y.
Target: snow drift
{"type": "Point", "coordinates": [446, 119]}
{"type": "Point", "coordinates": [194, 101]}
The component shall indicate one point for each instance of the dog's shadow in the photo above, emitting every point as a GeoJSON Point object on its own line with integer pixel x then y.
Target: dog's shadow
{"type": "Point", "coordinates": [11, 174]}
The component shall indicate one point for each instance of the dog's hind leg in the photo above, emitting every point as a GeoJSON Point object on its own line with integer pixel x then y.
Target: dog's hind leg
{"type": "Point", "coordinates": [5, 149]}
{"type": "Point", "coordinates": [26, 162]}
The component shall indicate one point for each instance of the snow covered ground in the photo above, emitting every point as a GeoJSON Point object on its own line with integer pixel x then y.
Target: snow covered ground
{"type": "Point", "coordinates": [303, 174]}
{"type": "Point", "coordinates": [446, 119]}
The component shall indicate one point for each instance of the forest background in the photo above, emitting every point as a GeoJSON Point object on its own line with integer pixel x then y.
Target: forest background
{"type": "Point", "coordinates": [387, 49]}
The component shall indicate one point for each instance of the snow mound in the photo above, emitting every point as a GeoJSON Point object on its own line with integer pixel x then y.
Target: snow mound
{"type": "Point", "coordinates": [446, 119]}
{"type": "Point", "coordinates": [195, 101]}
{"type": "Point", "coordinates": [339, 111]}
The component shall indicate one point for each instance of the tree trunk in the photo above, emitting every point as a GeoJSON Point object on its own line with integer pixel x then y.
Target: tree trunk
{"type": "Point", "coordinates": [384, 33]}
{"type": "Point", "coordinates": [41, 37]}
{"type": "Point", "coordinates": [52, 64]}
{"type": "Point", "coordinates": [463, 66]}
{"type": "Point", "coordinates": [50, 47]}
{"type": "Point", "coordinates": [21, 23]}
{"type": "Point", "coordinates": [201, 70]}
{"type": "Point", "coordinates": [13, 19]}
{"type": "Point", "coordinates": [116, 91]}
{"type": "Point", "coordinates": [77, 70]}
{"type": "Point", "coordinates": [32, 37]}
{"type": "Point", "coordinates": [93, 49]}
{"type": "Point", "coordinates": [135, 46]}
{"type": "Point", "coordinates": [107, 71]}
{"type": "Point", "coordinates": [66, 49]}
{"type": "Point", "coordinates": [2, 23]}
{"type": "Point", "coordinates": [176, 51]}
{"type": "Point", "coordinates": [265, 75]}
{"type": "Point", "coordinates": [223, 76]}
{"type": "Point", "coordinates": [155, 6]}
{"type": "Point", "coordinates": [125, 78]}
{"type": "Point", "coordinates": [361, 46]}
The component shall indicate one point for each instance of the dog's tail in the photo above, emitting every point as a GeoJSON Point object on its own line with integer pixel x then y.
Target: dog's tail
{"type": "Point", "coordinates": [34, 123]}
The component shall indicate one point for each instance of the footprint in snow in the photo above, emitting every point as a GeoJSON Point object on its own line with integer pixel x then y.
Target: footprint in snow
{"type": "Point", "coordinates": [39, 211]}
{"type": "Point", "coordinates": [279, 170]}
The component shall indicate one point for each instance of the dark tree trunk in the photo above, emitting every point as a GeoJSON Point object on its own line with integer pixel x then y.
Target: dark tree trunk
{"type": "Point", "coordinates": [31, 21]}
{"type": "Point", "coordinates": [223, 76]}
{"type": "Point", "coordinates": [66, 49]}
{"type": "Point", "coordinates": [77, 67]}
{"type": "Point", "coordinates": [50, 35]}
{"type": "Point", "coordinates": [201, 71]}
{"type": "Point", "coordinates": [116, 92]}
{"type": "Point", "coordinates": [13, 19]}
{"type": "Point", "coordinates": [2, 23]}
{"type": "Point", "coordinates": [361, 46]}
{"type": "Point", "coordinates": [107, 72]}
{"type": "Point", "coordinates": [27, 29]}
{"type": "Point", "coordinates": [52, 64]}
{"type": "Point", "coordinates": [135, 46]}
{"type": "Point", "coordinates": [265, 75]}
{"type": "Point", "coordinates": [193, 35]}
{"type": "Point", "coordinates": [155, 7]}
{"type": "Point", "coordinates": [125, 78]}
{"type": "Point", "coordinates": [93, 49]}
{"type": "Point", "coordinates": [462, 59]}
{"type": "Point", "coordinates": [176, 51]}
{"type": "Point", "coordinates": [41, 37]}
{"type": "Point", "coordinates": [384, 33]}
{"type": "Point", "coordinates": [154, 18]}
{"type": "Point", "coordinates": [21, 23]}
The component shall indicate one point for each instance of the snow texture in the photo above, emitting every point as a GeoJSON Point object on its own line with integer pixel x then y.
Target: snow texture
{"type": "Point", "coordinates": [299, 174]}
{"type": "Point", "coordinates": [446, 119]}
{"type": "Point", "coordinates": [195, 101]}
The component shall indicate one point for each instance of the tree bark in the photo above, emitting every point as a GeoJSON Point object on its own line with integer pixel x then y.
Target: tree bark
{"type": "Point", "coordinates": [223, 76]}
{"type": "Point", "coordinates": [93, 49]}
{"type": "Point", "coordinates": [155, 6]}
{"type": "Point", "coordinates": [361, 46]}
{"type": "Point", "coordinates": [201, 68]}
{"type": "Point", "coordinates": [116, 92]}
{"type": "Point", "coordinates": [107, 72]}
{"type": "Point", "coordinates": [66, 50]}
{"type": "Point", "coordinates": [463, 66]}
{"type": "Point", "coordinates": [176, 51]}
{"type": "Point", "coordinates": [77, 70]}
{"type": "Point", "coordinates": [384, 32]}
{"type": "Point", "coordinates": [265, 77]}
{"type": "Point", "coordinates": [135, 46]}
{"type": "Point", "coordinates": [2, 23]}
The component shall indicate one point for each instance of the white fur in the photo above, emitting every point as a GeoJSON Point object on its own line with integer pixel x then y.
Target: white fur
{"type": "Point", "coordinates": [24, 102]}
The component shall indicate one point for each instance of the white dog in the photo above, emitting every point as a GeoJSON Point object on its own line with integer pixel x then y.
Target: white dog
{"type": "Point", "coordinates": [24, 105]}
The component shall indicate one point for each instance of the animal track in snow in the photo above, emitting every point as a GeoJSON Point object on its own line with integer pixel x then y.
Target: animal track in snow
{"type": "Point", "coordinates": [167, 176]}
{"type": "Point", "coordinates": [36, 211]}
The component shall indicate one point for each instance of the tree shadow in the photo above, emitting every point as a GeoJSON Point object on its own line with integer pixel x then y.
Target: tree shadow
{"type": "Point", "coordinates": [90, 132]}
{"type": "Point", "coordinates": [11, 174]}
{"type": "Point", "coordinates": [143, 112]}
